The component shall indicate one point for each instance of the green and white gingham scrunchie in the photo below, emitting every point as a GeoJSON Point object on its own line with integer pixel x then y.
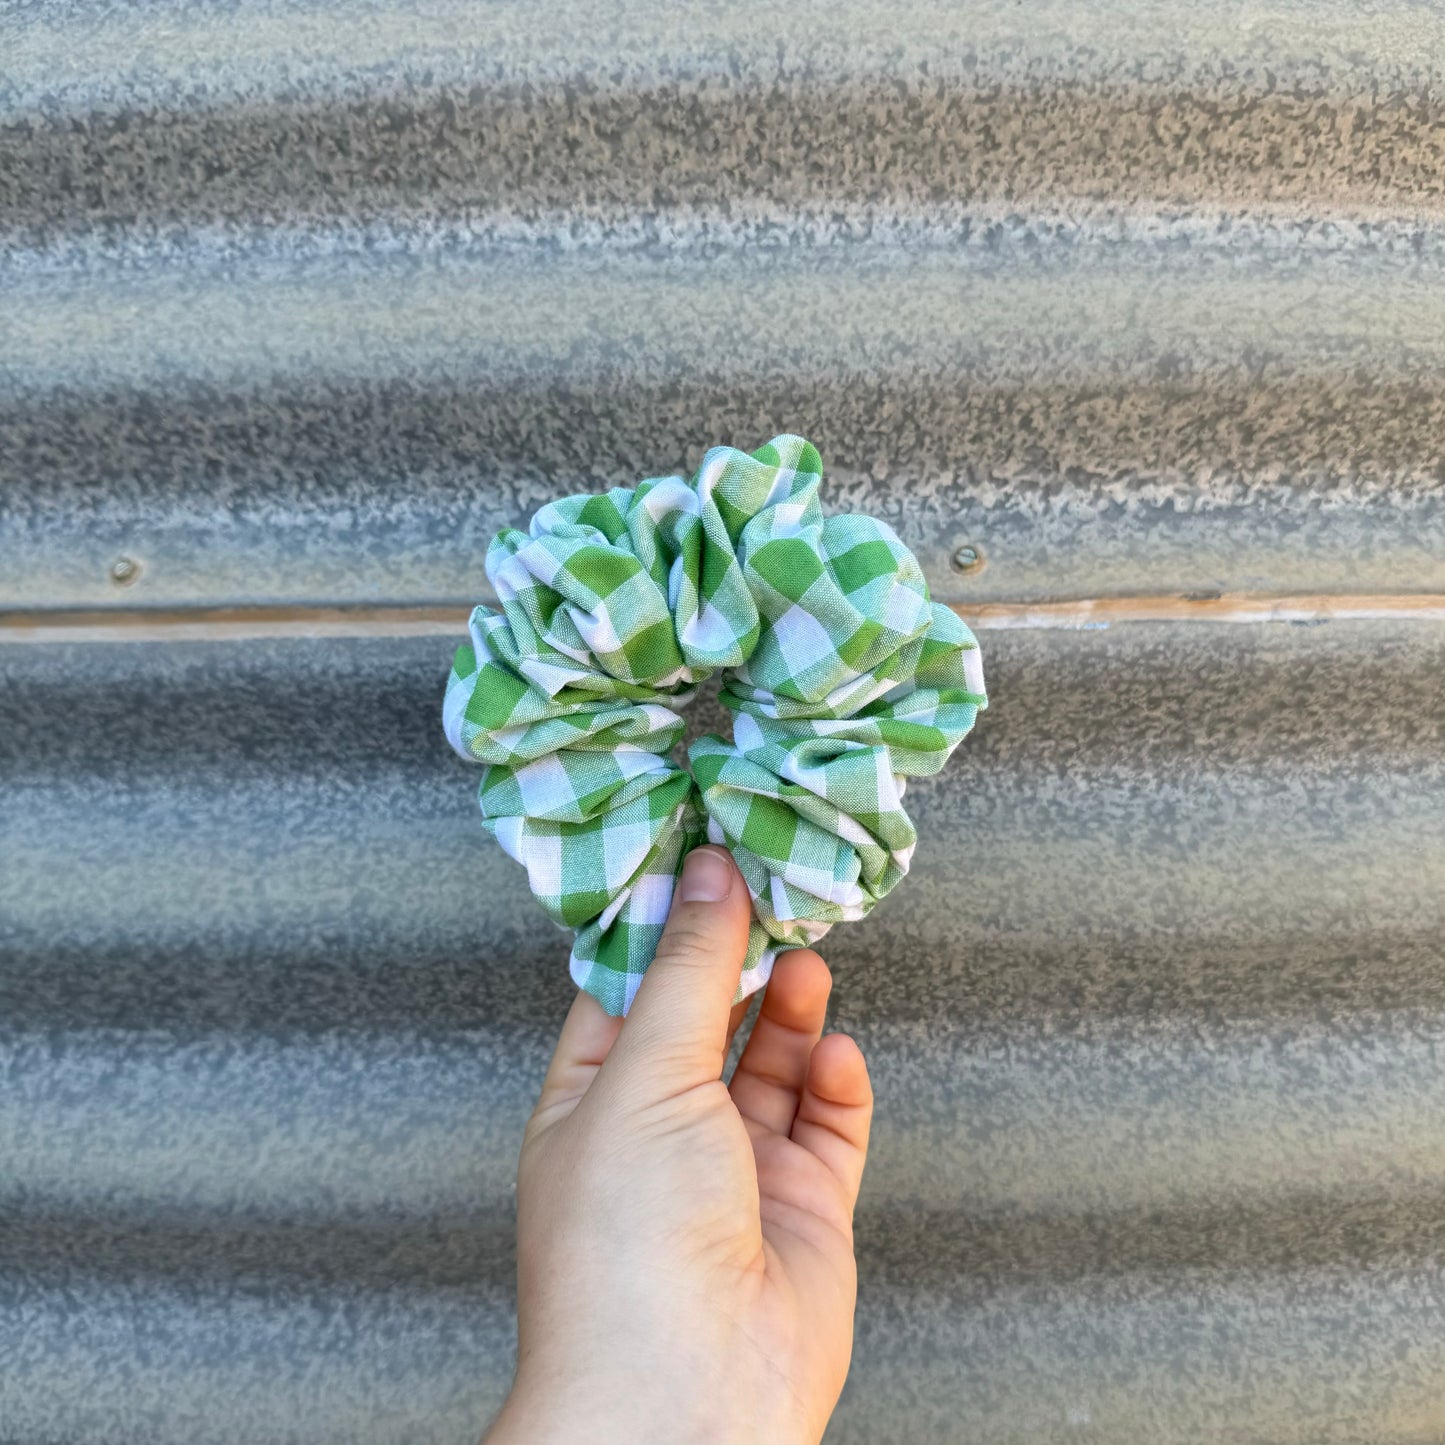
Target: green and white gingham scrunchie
{"type": "Point", "coordinates": [842, 677]}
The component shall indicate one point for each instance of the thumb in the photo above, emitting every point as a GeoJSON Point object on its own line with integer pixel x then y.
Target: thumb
{"type": "Point", "coordinates": [676, 1032]}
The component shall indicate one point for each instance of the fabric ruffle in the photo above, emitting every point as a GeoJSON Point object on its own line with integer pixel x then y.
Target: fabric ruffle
{"type": "Point", "coordinates": [842, 677]}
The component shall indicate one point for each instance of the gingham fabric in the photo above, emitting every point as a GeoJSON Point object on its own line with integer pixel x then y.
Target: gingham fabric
{"type": "Point", "coordinates": [843, 679]}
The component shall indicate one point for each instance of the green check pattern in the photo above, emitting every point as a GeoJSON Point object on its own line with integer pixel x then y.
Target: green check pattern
{"type": "Point", "coordinates": [843, 679]}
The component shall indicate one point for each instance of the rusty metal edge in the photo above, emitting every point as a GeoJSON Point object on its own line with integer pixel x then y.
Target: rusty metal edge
{"type": "Point", "coordinates": [235, 624]}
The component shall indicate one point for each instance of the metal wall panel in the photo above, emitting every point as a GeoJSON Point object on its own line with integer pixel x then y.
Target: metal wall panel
{"type": "Point", "coordinates": [1143, 301]}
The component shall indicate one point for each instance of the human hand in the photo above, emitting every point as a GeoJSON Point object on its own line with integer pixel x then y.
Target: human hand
{"type": "Point", "coordinates": [685, 1246]}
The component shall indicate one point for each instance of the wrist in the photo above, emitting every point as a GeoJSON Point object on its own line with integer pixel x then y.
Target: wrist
{"type": "Point", "coordinates": [565, 1418]}
{"type": "Point", "coordinates": [615, 1412]}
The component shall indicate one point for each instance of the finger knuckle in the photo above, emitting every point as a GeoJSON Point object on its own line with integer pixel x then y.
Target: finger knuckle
{"type": "Point", "coordinates": [685, 945]}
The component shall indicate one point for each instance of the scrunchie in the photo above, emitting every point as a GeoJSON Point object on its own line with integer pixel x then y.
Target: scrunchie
{"type": "Point", "coordinates": [842, 677]}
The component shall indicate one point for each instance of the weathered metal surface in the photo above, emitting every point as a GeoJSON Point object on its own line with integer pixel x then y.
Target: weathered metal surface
{"type": "Point", "coordinates": [298, 303]}
{"type": "Point", "coordinates": [1156, 1031]}
{"type": "Point", "coordinates": [299, 307]}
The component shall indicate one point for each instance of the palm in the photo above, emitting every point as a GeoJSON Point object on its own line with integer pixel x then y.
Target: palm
{"type": "Point", "coordinates": [789, 1135]}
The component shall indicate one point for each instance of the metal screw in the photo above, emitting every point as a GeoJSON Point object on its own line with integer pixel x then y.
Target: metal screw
{"type": "Point", "coordinates": [124, 571]}
{"type": "Point", "coordinates": [967, 558]}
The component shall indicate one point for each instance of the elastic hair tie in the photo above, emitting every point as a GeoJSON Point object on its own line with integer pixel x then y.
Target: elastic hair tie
{"type": "Point", "coordinates": [842, 677]}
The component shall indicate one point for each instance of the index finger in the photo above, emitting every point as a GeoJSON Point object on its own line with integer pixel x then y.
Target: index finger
{"type": "Point", "coordinates": [587, 1036]}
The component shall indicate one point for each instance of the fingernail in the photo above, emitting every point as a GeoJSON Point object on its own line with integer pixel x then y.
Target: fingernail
{"type": "Point", "coordinates": [707, 876]}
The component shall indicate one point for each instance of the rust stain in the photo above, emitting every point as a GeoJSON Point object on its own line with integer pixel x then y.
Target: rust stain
{"type": "Point", "coordinates": [1228, 607]}
{"type": "Point", "coordinates": [237, 624]}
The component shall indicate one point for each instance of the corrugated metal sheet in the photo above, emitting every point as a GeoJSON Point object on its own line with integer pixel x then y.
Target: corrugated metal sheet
{"type": "Point", "coordinates": [299, 302]}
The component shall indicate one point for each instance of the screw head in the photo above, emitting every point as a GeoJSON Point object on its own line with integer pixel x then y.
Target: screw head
{"type": "Point", "coordinates": [967, 558]}
{"type": "Point", "coordinates": [124, 571]}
